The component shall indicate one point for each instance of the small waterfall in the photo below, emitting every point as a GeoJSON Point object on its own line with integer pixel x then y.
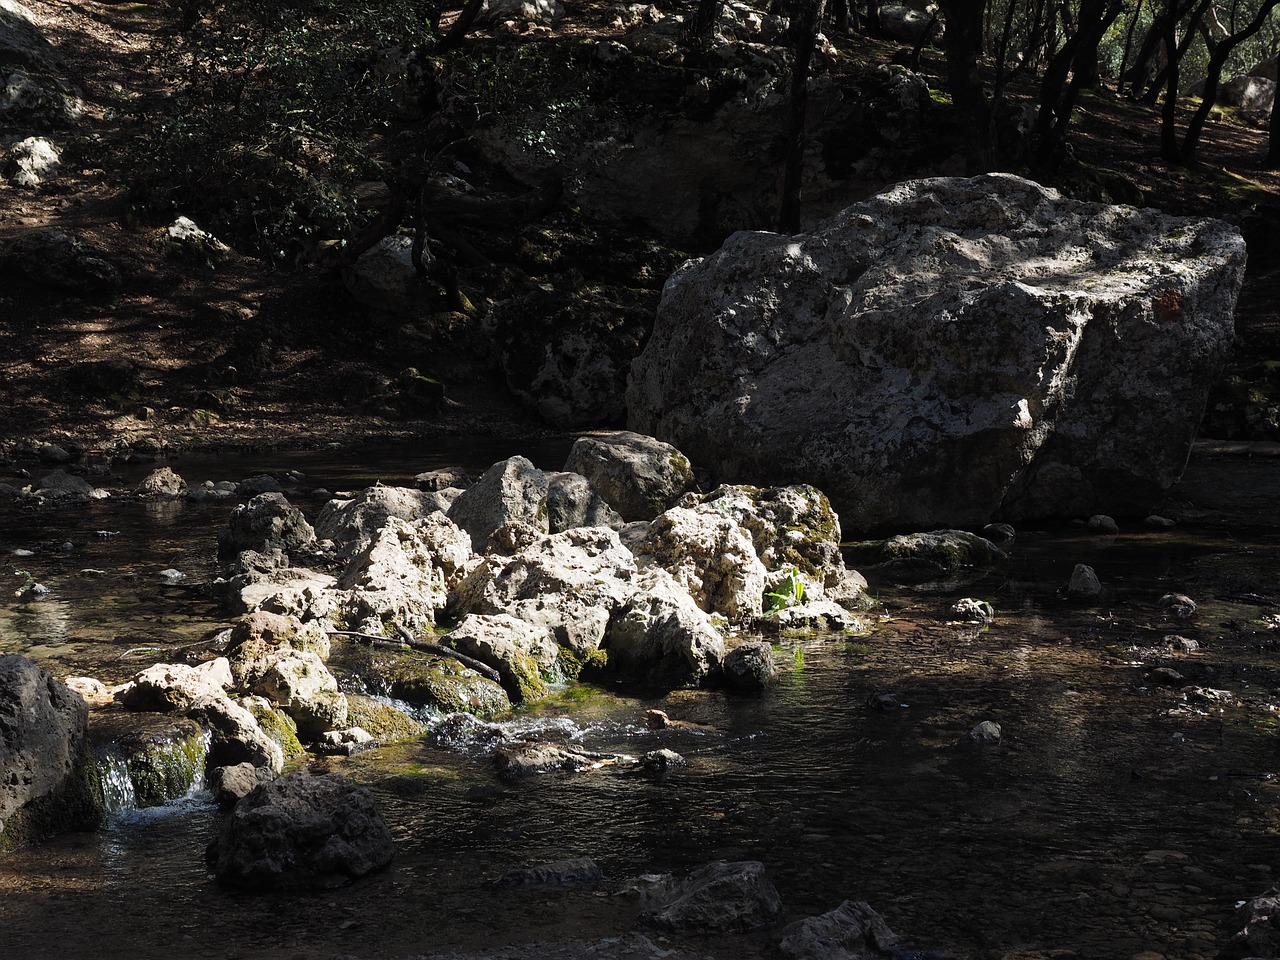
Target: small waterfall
{"type": "Point", "coordinates": [118, 794]}
{"type": "Point", "coordinates": [142, 772]}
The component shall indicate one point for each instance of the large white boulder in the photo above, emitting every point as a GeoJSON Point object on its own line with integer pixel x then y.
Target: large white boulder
{"type": "Point", "coordinates": [711, 556]}
{"type": "Point", "coordinates": [393, 579]}
{"type": "Point", "coordinates": [569, 584]}
{"type": "Point", "coordinates": [662, 634]}
{"type": "Point", "coordinates": [949, 351]}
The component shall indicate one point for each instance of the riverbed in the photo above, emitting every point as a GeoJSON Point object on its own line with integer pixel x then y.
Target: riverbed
{"type": "Point", "coordinates": [1119, 815]}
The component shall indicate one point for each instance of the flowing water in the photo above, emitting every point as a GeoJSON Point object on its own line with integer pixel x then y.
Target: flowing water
{"type": "Point", "coordinates": [1117, 817]}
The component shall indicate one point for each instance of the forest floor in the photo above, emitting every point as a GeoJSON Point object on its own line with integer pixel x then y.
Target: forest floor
{"type": "Point", "coordinates": [254, 355]}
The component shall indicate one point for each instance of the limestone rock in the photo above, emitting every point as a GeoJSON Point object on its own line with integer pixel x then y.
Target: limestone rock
{"type": "Point", "coordinates": [573, 502]}
{"type": "Point", "coordinates": [165, 760]}
{"type": "Point", "coordinates": [301, 832]}
{"type": "Point", "coordinates": [662, 635]}
{"type": "Point", "coordinates": [351, 524]}
{"type": "Point", "coordinates": [512, 489]}
{"type": "Point", "coordinates": [949, 350]}
{"type": "Point", "coordinates": [852, 931]}
{"type": "Point", "coordinates": [439, 682]}
{"type": "Point", "coordinates": [383, 277]}
{"type": "Point", "coordinates": [61, 485]}
{"type": "Point", "coordinates": [516, 761]}
{"type": "Point", "coordinates": [257, 638]}
{"type": "Point", "coordinates": [229, 784]}
{"type": "Point", "coordinates": [185, 237]}
{"type": "Point", "coordinates": [1259, 935]}
{"type": "Point", "coordinates": [30, 162]}
{"type": "Point", "coordinates": [914, 557]}
{"type": "Point", "coordinates": [33, 86]}
{"type": "Point", "coordinates": [749, 667]}
{"type": "Point", "coordinates": [907, 24]}
{"type": "Point", "coordinates": [580, 870]}
{"type": "Point", "coordinates": [519, 651]}
{"type": "Point", "coordinates": [569, 584]}
{"type": "Point", "coordinates": [394, 579]}
{"type": "Point", "coordinates": [441, 479]}
{"type": "Point", "coordinates": [711, 556]}
{"type": "Point", "coordinates": [305, 689]}
{"type": "Point", "coordinates": [790, 526]}
{"type": "Point", "coordinates": [535, 11]}
{"type": "Point", "coordinates": [46, 766]}
{"type": "Point", "coordinates": [55, 258]}
{"type": "Point", "coordinates": [1084, 583]}
{"type": "Point", "coordinates": [162, 484]}
{"type": "Point", "coordinates": [237, 737]}
{"type": "Point", "coordinates": [1253, 95]}
{"type": "Point", "coordinates": [266, 522]}
{"type": "Point", "coordinates": [638, 476]}
{"type": "Point", "coordinates": [176, 686]}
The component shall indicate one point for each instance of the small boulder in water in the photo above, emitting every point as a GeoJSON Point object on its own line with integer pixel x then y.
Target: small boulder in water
{"type": "Point", "coordinates": [301, 832]}
{"type": "Point", "coordinates": [1084, 583]}
{"type": "Point", "coordinates": [749, 667]}
{"type": "Point", "coordinates": [578, 871]}
{"type": "Point", "coordinates": [719, 897]}
{"type": "Point", "coordinates": [1179, 605]}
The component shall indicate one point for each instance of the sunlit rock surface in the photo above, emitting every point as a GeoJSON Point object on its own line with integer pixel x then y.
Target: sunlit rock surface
{"type": "Point", "coordinates": [949, 351]}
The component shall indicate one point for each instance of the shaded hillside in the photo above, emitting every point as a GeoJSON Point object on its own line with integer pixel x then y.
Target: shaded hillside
{"type": "Point", "coordinates": [269, 346]}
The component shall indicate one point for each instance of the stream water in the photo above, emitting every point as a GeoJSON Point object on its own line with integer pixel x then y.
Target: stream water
{"type": "Point", "coordinates": [1118, 817]}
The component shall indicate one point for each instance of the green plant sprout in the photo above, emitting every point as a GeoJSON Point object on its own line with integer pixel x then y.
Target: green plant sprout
{"type": "Point", "coordinates": [789, 593]}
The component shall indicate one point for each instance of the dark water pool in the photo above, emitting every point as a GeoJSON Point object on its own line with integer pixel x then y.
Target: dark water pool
{"type": "Point", "coordinates": [1118, 817]}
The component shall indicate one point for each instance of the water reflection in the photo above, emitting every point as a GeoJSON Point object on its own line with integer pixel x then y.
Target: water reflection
{"type": "Point", "coordinates": [1114, 816]}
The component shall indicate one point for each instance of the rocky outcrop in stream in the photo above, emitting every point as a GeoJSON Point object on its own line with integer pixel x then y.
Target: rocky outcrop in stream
{"type": "Point", "coordinates": [47, 771]}
{"type": "Point", "coordinates": [540, 579]}
{"type": "Point", "coordinates": [950, 351]}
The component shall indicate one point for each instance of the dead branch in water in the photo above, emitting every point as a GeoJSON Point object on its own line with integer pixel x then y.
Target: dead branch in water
{"type": "Point", "coordinates": [422, 646]}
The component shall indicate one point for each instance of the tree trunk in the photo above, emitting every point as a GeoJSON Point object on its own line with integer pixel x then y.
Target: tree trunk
{"type": "Point", "coordinates": [1217, 60]}
{"type": "Point", "coordinates": [1128, 48]}
{"type": "Point", "coordinates": [1057, 93]}
{"type": "Point", "coordinates": [702, 30]}
{"type": "Point", "coordinates": [461, 26]}
{"type": "Point", "coordinates": [962, 44]}
{"type": "Point", "coordinates": [840, 15]}
{"type": "Point", "coordinates": [1169, 113]}
{"type": "Point", "coordinates": [804, 36]}
{"type": "Point", "coordinates": [1272, 159]}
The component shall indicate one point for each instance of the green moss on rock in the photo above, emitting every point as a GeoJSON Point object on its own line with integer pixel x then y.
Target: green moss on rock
{"type": "Point", "coordinates": [572, 666]}
{"type": "Point", "coordinates": [442, 683]}
{"type": "Point", "coordinates": [278, 725]}
{"type": "Point", "coordinates": [383, 722]}
{"type": "Point", "coordinates": [166, 765]}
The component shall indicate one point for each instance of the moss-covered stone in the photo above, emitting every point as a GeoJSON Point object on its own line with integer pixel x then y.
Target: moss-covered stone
{"type": "Point", "coordinates": [276, 724]}
{"type": "Point", "coordinates": [439, 682]}
{"type": "Point", "coordinates": [383, 722]}
{"type": "Point", "coordinates": [915, 557]}
{"type": "Point", "coordinates": [164, 765]}
{"type": "Point", "coordinates": [791, 526]}
{"type": "Point", "coordinates": [572, 666]}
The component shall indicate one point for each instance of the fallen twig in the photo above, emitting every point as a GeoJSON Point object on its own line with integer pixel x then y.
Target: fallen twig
{"type": "Point", "coordinates": [407, 641]}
